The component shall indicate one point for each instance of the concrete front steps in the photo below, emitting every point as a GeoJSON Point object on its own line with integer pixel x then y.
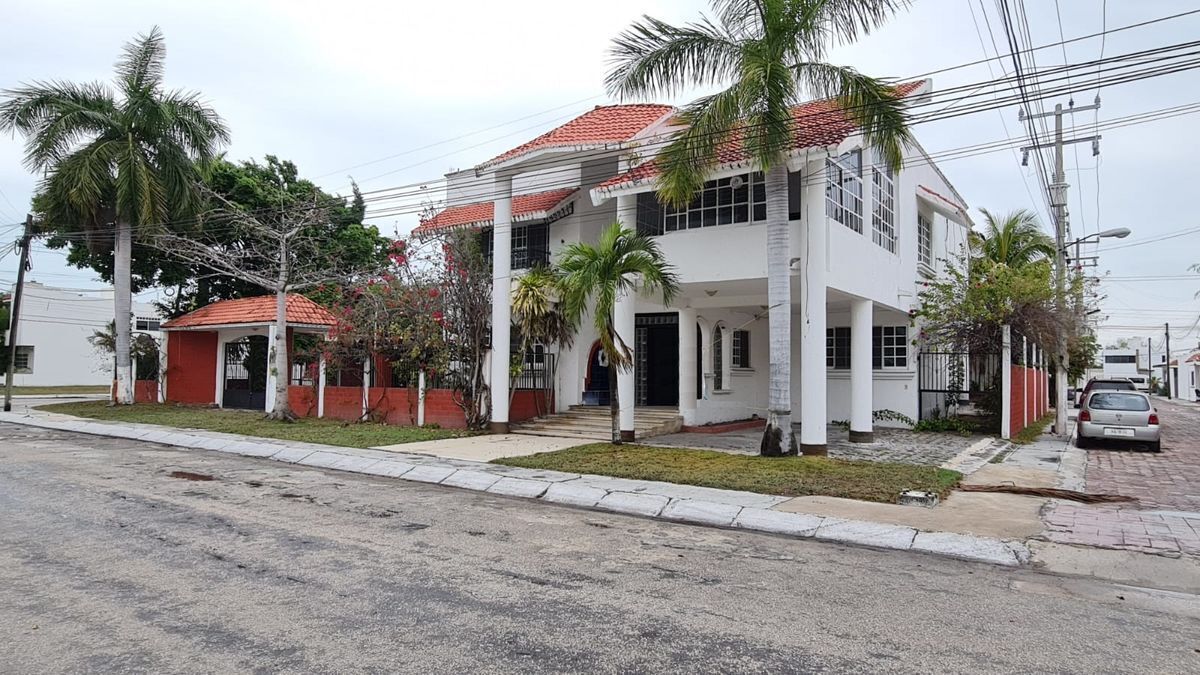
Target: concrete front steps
{"type": "Point", "coordinates": [594, 423]}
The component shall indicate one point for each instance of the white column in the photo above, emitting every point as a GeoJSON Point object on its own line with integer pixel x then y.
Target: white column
{"type": "Point", "coordinates": [862, 395]}
{"type": "Point", "coordinates": [272, 376]}
{"type": "Point", "coordinates": [624, 320]}
{"type": "Point", "coordinates": [366, 386]}
{"type": "Point", "coordinates": [321, 369]}
{"type": "Point", "coordinates": [706, 360]}
{"type": "Point", "coordinates": [219, 381]}
{"type": "Point", "coordinates": [813, 416]}
{"type": "Point", "coordinates": [162, 368]}
{"type": "Point", "coordinates": [1025, 359]}
{"type": "Point", "coordinates": [421, 398]}
{"type": "Point", "coordinates": [501, 301]}
{"type": "Point", "coordinates": [726, 357]}
{"type": "Point", "coordinates": [1006, 382]}
{"type": "Point", "coordinates": [687, 365]}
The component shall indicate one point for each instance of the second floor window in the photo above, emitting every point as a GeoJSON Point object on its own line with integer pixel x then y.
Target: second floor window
{"type": "Point", "coordinates": [737, 199]}
{"type": "Point", "coordinates": [883, 212]}
{"type": "Point", "coordinates": [530, 245]}
{"type": "Point", "coordinates": [146, 323]}
{"type": "Point", "coordinates": [924, 240]}
{"type": "Point", "coordinates": [844, 190]}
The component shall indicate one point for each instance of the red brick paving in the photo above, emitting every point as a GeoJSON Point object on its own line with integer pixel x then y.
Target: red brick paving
{"type": "Point", "coordinates": [1166, 517]}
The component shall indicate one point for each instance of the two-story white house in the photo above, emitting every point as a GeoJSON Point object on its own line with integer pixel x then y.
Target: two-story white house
{"type": "Point", "coordinates": [862, 241]}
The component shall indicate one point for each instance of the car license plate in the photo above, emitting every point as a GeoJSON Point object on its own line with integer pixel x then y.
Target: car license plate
{"type": "Point", "coordinates": [1110, 431]}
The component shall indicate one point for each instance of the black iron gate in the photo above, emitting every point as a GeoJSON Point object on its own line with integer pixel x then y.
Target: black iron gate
{"type": "Point", "coordinates": [245, 377]}
{"type": "Point", "coordinates": [957, 383]}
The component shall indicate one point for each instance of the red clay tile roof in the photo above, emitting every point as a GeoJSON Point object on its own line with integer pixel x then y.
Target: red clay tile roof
{"type": "Point", "coordinates": [480, 214]}
{"type": "Point", "coordinates": [257, 310]}
{"type": "Point", "coordinates": [1193, 358]}
{"type": "Point", "coordinates": [602, 124]}
{"type": "Point", "coordinates": [814, 124]}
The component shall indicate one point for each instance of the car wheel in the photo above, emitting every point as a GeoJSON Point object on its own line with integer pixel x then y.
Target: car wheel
{"type": "Point", "coordinates": [1082, 442]}
{"type": "Point", "coordinates": [1156, 446]}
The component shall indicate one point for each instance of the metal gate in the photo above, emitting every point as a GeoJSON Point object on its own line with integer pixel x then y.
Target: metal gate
{"type": "Point", "coordinates": [957, 383]}
{"type": "Point", "coordinates": [245, 381]}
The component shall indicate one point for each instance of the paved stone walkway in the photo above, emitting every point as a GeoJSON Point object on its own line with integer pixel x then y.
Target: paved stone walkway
{"type": "Point", "coordinates": [1166, 518]}
{"type": "Point", "coordinates": [891, 445]}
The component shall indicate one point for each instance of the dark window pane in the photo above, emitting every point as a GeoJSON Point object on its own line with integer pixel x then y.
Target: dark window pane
{"type": "Point", "coordinates": [760, 212]}
{"type": "Point", "coordinates": [795, 188]}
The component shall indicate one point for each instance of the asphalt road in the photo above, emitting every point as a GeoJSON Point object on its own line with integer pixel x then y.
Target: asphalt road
{"type": "Point", "coordinates": [108, 563]}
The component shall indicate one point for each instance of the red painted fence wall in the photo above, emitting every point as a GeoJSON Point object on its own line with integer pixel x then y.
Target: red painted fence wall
{"type": "Point", "coordinates": [398, 405]}
{"type": "Point", "coordinates": [1029, 399]}
{"type": "Point", "coordinates": [192, 367]}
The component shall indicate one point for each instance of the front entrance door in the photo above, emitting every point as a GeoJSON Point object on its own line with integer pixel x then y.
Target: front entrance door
{"type": "Point", "coordinates": [245, 384]}
{"type": "Point", "coordinates": [657, 376]}
{"type": "Point", "coordinates": [595, 388]}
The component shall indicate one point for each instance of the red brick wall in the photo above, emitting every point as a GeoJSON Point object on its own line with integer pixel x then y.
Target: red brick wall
{"type": "Point", "coordinates": [192, 367]}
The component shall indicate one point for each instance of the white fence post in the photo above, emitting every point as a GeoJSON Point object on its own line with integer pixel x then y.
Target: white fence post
{"type": "Point", "coordinates": [421, 398]}
{"type": "Point", "coordinates": [1005, 381]}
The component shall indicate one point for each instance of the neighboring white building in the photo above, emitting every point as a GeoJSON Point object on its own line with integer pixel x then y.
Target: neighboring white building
{"type": "Point", "coordinates": [862, 243]}
{"type": "Point", "coordinates": [1126, 363]}
{"type": "Point", "coordinates": [52, 337]}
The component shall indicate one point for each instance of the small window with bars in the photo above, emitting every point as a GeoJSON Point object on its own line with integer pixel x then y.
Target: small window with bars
{"type": "Point", "coordinates": [146, 323]}
{"type": "Point", "coordinates": [889, 347]}
{"type": "Point", "coordinates": [837, 348]}
{"type": "Point", "coordinates": [741, 349]}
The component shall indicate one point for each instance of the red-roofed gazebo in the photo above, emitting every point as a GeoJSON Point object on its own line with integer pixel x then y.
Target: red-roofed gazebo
{"type": "Point", "coordinates": [218, 354]}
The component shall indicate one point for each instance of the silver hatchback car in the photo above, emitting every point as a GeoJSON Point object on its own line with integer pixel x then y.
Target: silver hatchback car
{"type": "Point", "coordinates": [1118, 416]}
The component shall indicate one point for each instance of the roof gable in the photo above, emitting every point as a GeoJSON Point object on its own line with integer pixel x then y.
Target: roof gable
{"type": "Point", "coordinates": [599, 126]}
{"type": "Point", "coordinates": [258, 310]}
{"type": "Point", "coordinates": [481, 214]}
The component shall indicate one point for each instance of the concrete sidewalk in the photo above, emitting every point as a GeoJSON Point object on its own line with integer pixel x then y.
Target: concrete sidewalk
{"type": "Point", "coordinates": [683, 503]}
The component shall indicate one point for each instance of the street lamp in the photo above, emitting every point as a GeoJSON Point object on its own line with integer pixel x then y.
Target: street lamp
{"type": "Point", "coordinates": [1115, 233]}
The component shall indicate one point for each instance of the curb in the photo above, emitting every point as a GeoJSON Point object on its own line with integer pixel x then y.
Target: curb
{"type": "Point", "coordinates": [650, 499]}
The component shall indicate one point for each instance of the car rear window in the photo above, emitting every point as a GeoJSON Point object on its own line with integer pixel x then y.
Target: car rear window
{"type": "Point", "coordinates": [1115, 401]}
{"type": "Point", "coordinates": [1115, 386]}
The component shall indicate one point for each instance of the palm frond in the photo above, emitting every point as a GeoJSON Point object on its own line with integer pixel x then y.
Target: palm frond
{"type": "Point", "coordinates": [142, 64]}
{"type": "Point", "coordinates": [692, 153]}
{"type": "Point", "coordinates": [871, 103]}
{"type": "Point", "coordinates": [55, 117]}
{"type": "Point", "coordinates": [653, 57]}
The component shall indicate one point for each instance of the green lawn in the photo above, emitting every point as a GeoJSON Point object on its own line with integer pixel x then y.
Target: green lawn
{"type": "Point", "coordinates": [69, 389]}
{"type": "Point", "coordinates": [789, 476]}
{"type": "Point", "coordinates": [329, 432]}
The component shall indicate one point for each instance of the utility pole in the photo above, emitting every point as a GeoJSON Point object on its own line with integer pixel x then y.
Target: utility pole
{"type": "Point", "coordinates": [1058, 206]}
{"type": "Point", "coordinates": [15, 314]}
{"type": "Point", "coordinates": [1150, 358]}
{"type": "Point", "coordinates": [1167, 369]}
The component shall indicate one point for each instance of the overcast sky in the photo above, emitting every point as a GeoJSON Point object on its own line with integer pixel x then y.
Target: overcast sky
{"type": "Point", "coordinates": [399, 93]}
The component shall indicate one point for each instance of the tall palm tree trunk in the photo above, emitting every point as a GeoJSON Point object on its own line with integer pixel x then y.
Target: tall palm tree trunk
{"type": "Point", "coordinates": [123, 309]}
{"type": "Point", "coordinates": [778, 438]}
{"type": "Point", "coordinates": [614, 402]}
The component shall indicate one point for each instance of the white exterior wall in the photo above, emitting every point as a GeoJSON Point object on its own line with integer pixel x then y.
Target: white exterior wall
{"type": "Point", "coordinates": [723, 273]}
{"type": "Point", "coordinates": [57, 324]}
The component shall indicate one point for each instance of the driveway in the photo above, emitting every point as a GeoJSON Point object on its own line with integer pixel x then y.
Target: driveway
{"type": "Point", "coordinates": [108, 563]}
{"type": "Point", "coordinates": [1166, 517]}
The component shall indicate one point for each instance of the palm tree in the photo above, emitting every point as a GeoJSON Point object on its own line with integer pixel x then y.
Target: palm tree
{"type": "Point", "coordinates": [622, 262]}
{"type": "Point", "coordinates": [539, 316]}
{"type": "Point", "coordinates": [1015, 240]}
{"type": "Point", "coordinates": [115, 160]}
{"type": "Point", "coordinates": [768, 53]}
